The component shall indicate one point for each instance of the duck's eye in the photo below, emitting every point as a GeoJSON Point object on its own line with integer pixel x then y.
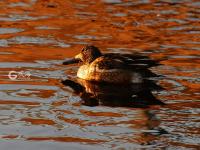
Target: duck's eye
{"type": "Point", "coordinates": [83, 50]}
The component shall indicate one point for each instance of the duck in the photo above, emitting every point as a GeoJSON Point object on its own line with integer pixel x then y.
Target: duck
{"type": "Point", "coordinates": [112, 67]}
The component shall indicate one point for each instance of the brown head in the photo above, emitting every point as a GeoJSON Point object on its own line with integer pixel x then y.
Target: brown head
{"type": "Point", "coordinates": [88, 54]}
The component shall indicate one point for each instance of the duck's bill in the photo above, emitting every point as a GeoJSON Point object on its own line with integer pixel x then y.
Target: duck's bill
{"type": "Point", "coordinates": [71, 61]}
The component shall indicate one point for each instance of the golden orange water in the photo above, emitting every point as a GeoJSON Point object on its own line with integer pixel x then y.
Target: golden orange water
{"type": "Point", "coordinates": [41, 113]}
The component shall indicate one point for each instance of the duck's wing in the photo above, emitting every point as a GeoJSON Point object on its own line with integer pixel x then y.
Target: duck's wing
{"type": "Point", "coordinates": [133, 60]}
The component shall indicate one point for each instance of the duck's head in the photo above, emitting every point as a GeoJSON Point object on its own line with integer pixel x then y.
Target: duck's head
{"type": "Point", "coordinates": [88, 54]}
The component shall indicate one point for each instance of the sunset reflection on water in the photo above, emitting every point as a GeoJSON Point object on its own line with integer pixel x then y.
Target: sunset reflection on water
{"type": "Point", "coordinates": [36, 36]}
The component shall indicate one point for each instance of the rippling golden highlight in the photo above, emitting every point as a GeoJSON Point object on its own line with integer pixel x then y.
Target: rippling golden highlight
{"type": "Point", "coordinates": [38, 35]}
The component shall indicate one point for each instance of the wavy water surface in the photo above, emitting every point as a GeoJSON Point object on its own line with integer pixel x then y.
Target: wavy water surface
{"type": "Point", "coordinates": [40, 112]}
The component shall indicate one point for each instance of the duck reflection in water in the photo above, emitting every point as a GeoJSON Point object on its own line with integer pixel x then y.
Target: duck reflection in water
{"type": "Point", "coordinates": [121, 80]}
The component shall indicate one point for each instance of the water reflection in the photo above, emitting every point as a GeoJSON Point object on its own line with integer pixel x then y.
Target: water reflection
{"type": "Point", "coordinates": [105, 94]}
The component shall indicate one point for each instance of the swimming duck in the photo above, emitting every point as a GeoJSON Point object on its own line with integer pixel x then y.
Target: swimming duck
{"type": "Point", "coordinates": [112, 67]}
